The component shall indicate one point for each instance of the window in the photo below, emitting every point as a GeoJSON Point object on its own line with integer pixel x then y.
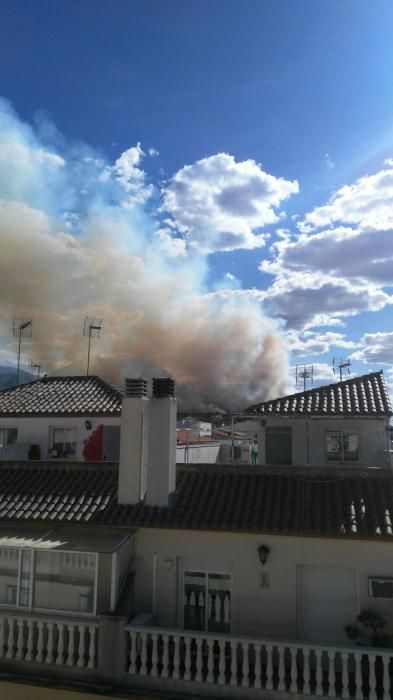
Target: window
{"type": "Point", "coordinates": [207, 601]}
{"type": "Point", "coordinates": [380, 587]}
{"type": "Point", "coordinates": [48, 580]}
{"type": "Point", "coordinates": [342, 447]}
{"type": "Point", "coordinates": [61, 578]}
{"type": "Point", "coordinates": [63, 443]}
{"type": "Point", "coordinates": [8, 436]}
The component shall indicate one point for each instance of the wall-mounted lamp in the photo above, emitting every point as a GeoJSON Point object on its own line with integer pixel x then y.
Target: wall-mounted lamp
{"type": "Point", "coordinates": [88, 425]}
{"type": "Point", "coordinates": [263, 553]}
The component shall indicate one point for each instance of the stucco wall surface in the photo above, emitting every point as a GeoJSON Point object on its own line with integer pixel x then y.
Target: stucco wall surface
{"type": "Point", "coordinates": [309, 439]}
{"type": "Point", "coordinates": [37, 431]}
{"type": "Point", "coordinates": [271, 611]}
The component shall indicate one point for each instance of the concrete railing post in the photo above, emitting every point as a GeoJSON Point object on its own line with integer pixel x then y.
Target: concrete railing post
{"type": "Point", "coordinates": [112, 645]}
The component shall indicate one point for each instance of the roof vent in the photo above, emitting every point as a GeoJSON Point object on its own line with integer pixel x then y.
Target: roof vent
{"type": "Point", "coordinates": [136, 387]}
{"type": "Point", "coordinates": [163, 387]}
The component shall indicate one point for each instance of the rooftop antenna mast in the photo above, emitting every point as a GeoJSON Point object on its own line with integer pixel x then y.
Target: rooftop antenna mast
{"type": "Point", "coordinates": [303, 373]}
{"type": "Point", "coordinates": [91, 328]}
{"type": "Point", "coordinates": [34, 365]}
{"type": "Point", "coordinates": [21, 328]}
{"type": "Point", "coordinates": [339, 365]}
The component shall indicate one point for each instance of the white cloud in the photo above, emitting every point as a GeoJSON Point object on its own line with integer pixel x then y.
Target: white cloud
{"type": "Point", "coordinates": [307, 299]}
{"type": "Point", "coordinates": [342, 269]}
{"type": "Point", "coordinates": [329, 162]}
{"type": "Point", "coordinates": [153, 152]}
{"type": "Point", "coordinates": [312, 343]}
{"type": "Point", "coordinates": [377, 348]}
{"type": "Point", "coordinates": [359, 254]}
{"type": "Point", "coordinates": [220, 204]}
{"type": "Point", "coordinates": [368, 202]}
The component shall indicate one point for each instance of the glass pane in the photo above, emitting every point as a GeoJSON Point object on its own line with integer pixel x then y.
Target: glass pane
{"type": "Point", "coordinates": [58, 435]}
{"type": "Point", "coordinates": [12, 436]}
{"type": "Point", "coordinates": [219, 595]}
{"type": "Point", "coordinates": [70, 435]}
{"type": "Point", "coordinates": [64, 581]}
{"type": "Point", "coordinates": [333, 446]}
{"type": "Point", "coordinates": [194, 600]}
{"type": "Point", "coordinates": [351, 447]}
{"type": "Point", "coordinates": [25, 577]}
{"type": "Point", "coordinates": [382, 588]}
{"type": "Point", "coordinates": [9, 564]}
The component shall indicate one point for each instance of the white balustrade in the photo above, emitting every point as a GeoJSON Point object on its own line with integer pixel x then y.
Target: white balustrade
{"type": "Point", "coordinates": [292, 667]}
{"type": "Point", "coordinates": [49, 641]}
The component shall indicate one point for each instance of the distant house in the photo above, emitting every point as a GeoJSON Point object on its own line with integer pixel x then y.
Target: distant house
{"type": "Point", "coordinates": [346, 423]}
{"type": "Point", "coordinates": [61, 418]}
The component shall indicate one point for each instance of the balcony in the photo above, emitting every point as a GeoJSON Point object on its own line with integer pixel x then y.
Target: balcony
{"type": "Point", "coordinates": [185, 659]}
{"type": "Point", "coordinates": [106, 650]}
{"type": "Point", "coordinates": [49, 640]}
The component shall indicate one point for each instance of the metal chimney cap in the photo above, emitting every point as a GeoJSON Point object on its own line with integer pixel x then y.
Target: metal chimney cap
{"type": "Point", "coordinates": [163, 387]}
{"type": "Point", "coordinates": [135, 387]}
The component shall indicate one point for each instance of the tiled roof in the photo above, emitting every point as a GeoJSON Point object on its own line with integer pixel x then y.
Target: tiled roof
{"type": "Point", "coordinates": [327, 503]}
{"type": "Point", "coordinates": [62, 396]}
{"type": "Point", "coordinates": [357, 396]}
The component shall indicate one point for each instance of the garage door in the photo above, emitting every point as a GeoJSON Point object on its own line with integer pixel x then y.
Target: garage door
{"type": "Point", "coordinates": [326, 603]}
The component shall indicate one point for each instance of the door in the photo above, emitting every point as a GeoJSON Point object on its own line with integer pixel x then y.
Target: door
{"type": "Point", "coordinates": [278, 446]}
{"type": "Point", "coordinates": [326, 603]}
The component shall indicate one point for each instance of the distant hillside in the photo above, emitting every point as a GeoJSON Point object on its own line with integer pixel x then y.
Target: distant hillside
{"type": "Point", "coordinates": [8, 377]}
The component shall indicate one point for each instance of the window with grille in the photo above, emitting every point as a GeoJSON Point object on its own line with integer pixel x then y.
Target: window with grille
{"type": "Point", "coordinates": [380, 587]}
{"type": "Point", "coordinates": [342, 446]}
{"type": "Point", "coordinates": [207, 601]}
{"type": "Point", "coordinates": [62, 443]}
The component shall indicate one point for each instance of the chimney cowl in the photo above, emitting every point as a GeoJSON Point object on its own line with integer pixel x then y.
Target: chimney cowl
{"type": "Point", "coordinates": [135, 387]}
{"type": "Point", "coordinates": [163, 387]}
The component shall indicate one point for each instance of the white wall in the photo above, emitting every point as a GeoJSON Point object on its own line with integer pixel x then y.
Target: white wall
{"type": "Point", "coordinates": [36, 431]}
{"type": "Point", "coordinates": [308, 439]}
{"type": "Point", "coordinates": [198, 454]}
{"type": "Point", "coordinates": [271, 612]}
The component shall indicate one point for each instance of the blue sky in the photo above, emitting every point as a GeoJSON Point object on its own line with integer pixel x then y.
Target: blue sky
{"type": "Point", "coordinates": [261, 188]}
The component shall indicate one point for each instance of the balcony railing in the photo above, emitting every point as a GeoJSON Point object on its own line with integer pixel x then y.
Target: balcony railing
{"type": "Point", "coordinates": [57, 641]}
{"type": "Point", "coordinates": [14, 452]}
{"type": "Point", "coordinates": [294, 667]}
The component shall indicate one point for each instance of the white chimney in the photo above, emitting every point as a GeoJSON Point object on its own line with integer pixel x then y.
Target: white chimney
{"type": "Point", "coordinates": [134, 438]}
{"type": "Point", "coordinates": [161, 479]}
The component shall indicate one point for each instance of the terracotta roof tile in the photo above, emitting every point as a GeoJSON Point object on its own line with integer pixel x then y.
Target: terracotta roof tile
{"type": "Point", "coordinates": [62, 396]}
{"type": "Point", "coordinates": [309, 501]}
{"type": "Point", "coordinates": [366, 396]}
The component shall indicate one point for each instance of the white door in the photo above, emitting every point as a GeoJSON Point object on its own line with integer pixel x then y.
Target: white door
{"type": "Point", "coordinates": [326, 603]}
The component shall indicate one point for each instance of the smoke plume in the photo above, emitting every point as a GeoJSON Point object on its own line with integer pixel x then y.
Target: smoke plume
{"type": "Point", "coordinates": [80, 236]}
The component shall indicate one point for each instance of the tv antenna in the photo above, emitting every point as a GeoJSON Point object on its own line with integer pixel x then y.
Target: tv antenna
{"type": "Point", "coordinates": [21, 328]}
{"type": "Point", "coordinates": [339, 365]}
{"type": "Point", "coordinates": [303, 373]}
{"type": "Point", "coordinates": [34, 365]}
{"type": "Point", "coordinates": [92, 328]}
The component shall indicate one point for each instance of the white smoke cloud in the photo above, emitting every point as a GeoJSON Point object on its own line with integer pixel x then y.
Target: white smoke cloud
{"type": "Point", "coordinates": [75, 240]}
